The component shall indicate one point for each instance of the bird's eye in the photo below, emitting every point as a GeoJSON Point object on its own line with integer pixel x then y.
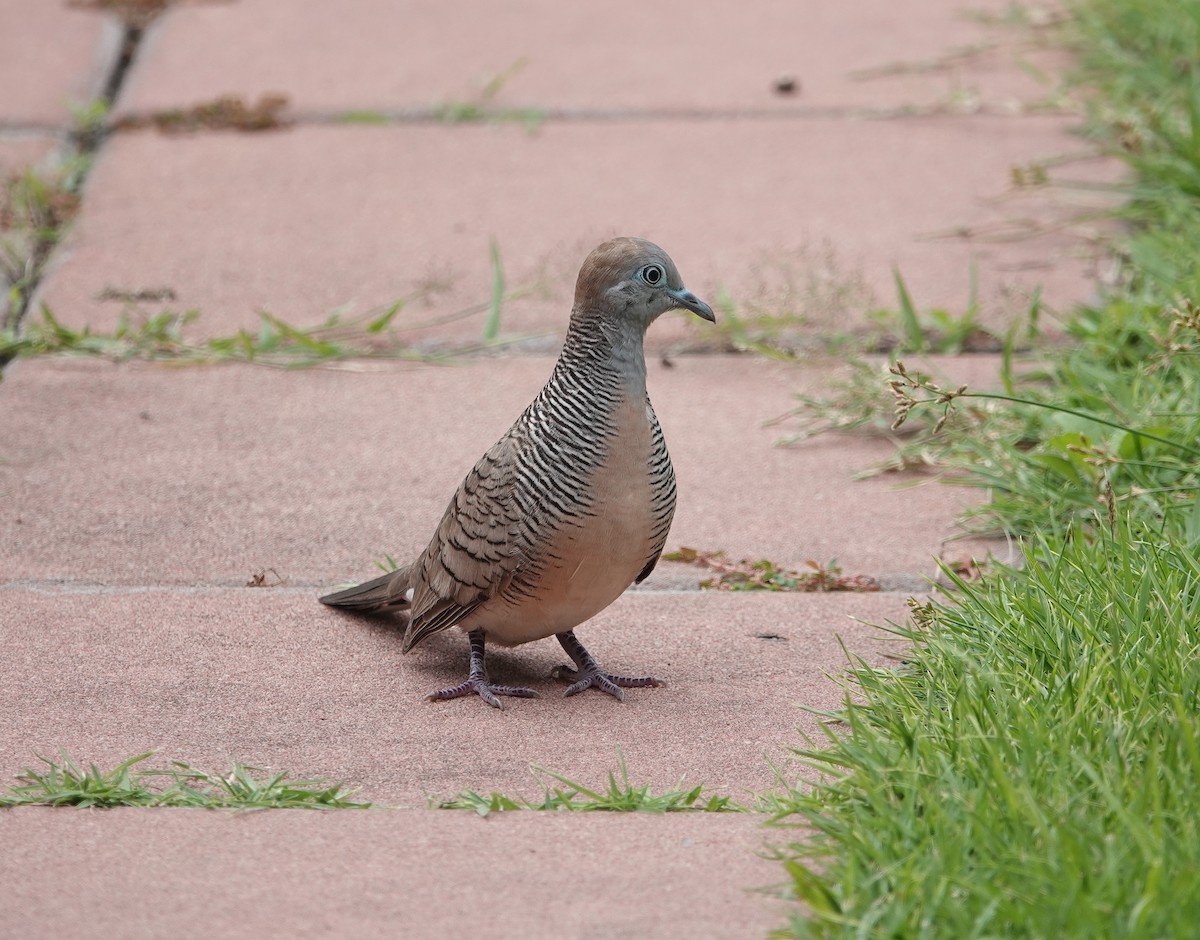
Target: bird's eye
{"type": "Point", "coordinates": [652, 274]}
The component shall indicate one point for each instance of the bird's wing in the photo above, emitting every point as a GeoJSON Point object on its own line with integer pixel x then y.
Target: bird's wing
{"type": "Point", "coordinates": [474, 552]}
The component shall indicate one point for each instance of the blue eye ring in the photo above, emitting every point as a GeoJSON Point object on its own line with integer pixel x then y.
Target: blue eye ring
{"type": "Point", "coordinates": [653, 274]}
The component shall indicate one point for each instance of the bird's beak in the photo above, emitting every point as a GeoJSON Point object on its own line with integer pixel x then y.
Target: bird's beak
{"type": "Point", "coordinates": [689, 301]}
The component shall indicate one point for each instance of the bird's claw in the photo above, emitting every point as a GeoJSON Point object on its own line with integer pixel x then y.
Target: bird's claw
{"type": "Point", "coordinates": [594, 677]}
{"type": "Point", "coordinates": [485, 690]}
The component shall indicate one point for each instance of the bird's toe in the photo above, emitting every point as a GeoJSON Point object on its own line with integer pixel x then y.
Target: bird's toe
{"type": "Point", "coordinates": [484, 689]}
{"type": "Point", "coordinates": [595, 678]}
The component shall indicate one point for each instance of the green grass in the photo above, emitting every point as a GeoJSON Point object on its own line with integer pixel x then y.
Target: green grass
{"type": "Point", "coordinates": [617, 795]}
{"type": "Point", "coordinates": [907, 329]}
{"type": "Point", "coordinates": [805, 313]}
{"type": "Point", "coordinates": [790, 303]}
{"type": "Point", "coordinates": [163, 336]}
{"type": "Point", "coordinates": [483, 107]}
{"type": "Point", "coordinates": [1032, 769]}
{"type": "Point", "coordinates": [64, 783]}
{"type": "Point", "coordinates": [773, 334]}
{"type": "Point", "coordinates": [1118, 412]}
{"type": "Point", "coordinates": [35, 210]}
{"type": "Point", "coordinates": [491, 326]}
{"type": "Point", "coordinates": [1141, 61]}
{"type": "Point", "coordinates": [363, 117]}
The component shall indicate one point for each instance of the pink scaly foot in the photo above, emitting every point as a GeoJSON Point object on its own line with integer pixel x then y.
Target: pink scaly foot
{"type": "Point", "coordinates": [477, 680]}
{"type": "Point", "coordinates": [587, 674]}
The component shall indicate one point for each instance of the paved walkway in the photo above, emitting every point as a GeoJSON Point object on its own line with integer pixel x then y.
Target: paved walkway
{"type": "Point", "coordinates": [139, 499]}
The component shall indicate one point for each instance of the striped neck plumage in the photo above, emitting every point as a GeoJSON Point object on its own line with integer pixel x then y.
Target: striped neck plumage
{"type": "Point", "coordinates": [606, 343]}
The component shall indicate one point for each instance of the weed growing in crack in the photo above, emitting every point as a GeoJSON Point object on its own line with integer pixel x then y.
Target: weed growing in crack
{"type": "Point", "coordinates": [766, 575]}
{"type": "Point", "coordinates": [35, 210]}
{"type": "Point", "coordinates": [909, 330]}
{"type": "Point", "coordinates": [64, 783]}
{"type": "Point", "coordinates": [229, 112]}
{"type": "Point", "coordinates": [617, 796]}
{"type": "Point", "coordinates": [482, 108]}
{"type": "Point", "coordinates": [163, 337]}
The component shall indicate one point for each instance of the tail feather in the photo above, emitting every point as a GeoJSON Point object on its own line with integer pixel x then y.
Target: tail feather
{"type": "Point", "coordinates": [389, 590]}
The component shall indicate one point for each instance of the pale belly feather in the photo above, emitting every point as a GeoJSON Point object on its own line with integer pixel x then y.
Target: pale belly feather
{"type": "Point", "coordinates": [596, 559]}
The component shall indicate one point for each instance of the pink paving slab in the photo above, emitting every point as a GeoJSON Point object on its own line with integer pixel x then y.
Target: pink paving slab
{"type": "Point", "coordinates": [144, 475]}
{"type": "Point", "coordinates": [51, 57]}
{"type": "Point", "coordinates": [623, 55]}
{"type": "Point", "coordinates": [303, 221]}
{"type": "Point", "coordinates": [270, 678]}
{"type": "Point", "coordinates": [151, 874]}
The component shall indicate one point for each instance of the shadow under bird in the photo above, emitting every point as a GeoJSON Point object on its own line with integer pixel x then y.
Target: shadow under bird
{"type": "Point", "coordinates": [567, 509]}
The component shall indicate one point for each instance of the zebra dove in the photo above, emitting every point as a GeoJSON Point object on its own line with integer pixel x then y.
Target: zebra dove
{"type": "Point", "coordinates": [569, 507]}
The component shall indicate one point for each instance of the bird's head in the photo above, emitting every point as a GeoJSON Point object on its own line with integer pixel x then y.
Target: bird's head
{"type": "Point", "coordinates": [633, 281]}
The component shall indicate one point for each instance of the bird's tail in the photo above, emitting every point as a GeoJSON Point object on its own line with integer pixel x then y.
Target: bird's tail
{"type": "Point", "coordinates": [389, 590]}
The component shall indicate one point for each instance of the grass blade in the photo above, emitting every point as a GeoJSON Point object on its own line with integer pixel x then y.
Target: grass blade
{"type": "Point", "coordinates": [910, 324]}
{"type": "Point", "coordinates": [491, 326]}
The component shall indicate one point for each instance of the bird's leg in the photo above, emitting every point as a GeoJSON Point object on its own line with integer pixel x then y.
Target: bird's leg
{"type": "Point", "coordinates": [477, 680]}
{"type": "Point", "coordinates": [588, 674]}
